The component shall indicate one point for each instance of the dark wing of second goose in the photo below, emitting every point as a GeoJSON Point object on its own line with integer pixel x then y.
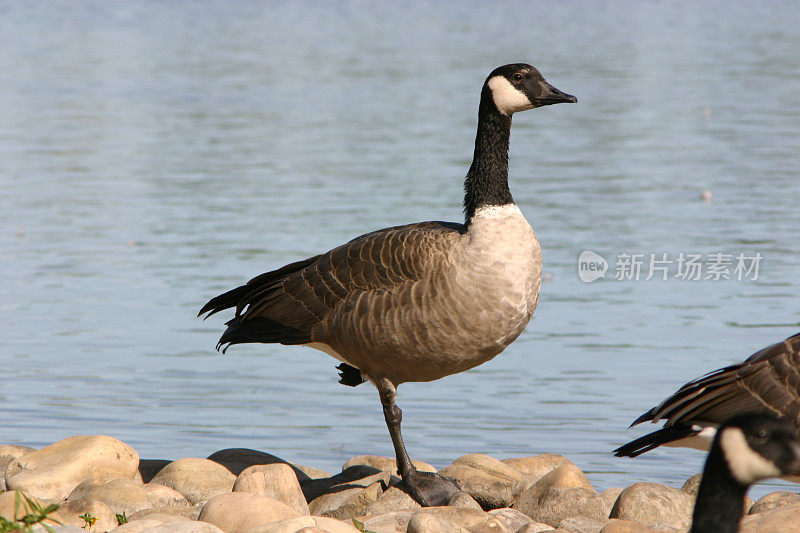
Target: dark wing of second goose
{"type": "Point", "coordinates": [767, 382]}
{"type": "Point", "coordinates": [300, 302]}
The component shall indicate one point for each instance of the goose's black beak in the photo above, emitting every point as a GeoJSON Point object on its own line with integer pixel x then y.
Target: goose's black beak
{"type": "Point", "coordinates": [550, 95]}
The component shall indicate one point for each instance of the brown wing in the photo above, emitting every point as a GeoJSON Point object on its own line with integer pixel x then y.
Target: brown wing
{"type": "Point", "coordinates": [289, 305]}
{"type": "Point", "coordinates": [768, 381]}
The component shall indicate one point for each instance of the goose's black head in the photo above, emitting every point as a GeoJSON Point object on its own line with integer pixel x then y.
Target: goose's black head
{"type": "Point", "coordinates": [518, 87]}
{"type": "Point", "coordinates": [757, 446]}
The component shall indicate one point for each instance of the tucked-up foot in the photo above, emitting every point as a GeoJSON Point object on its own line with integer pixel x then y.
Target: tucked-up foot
{"type": "Point", "coordinates": [429, 489]}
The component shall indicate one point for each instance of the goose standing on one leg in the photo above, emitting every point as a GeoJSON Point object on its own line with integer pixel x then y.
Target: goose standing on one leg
{"type": "Point", "coordinates": [746, 449]}
{"type": "Point", "coordinates": [416, 302]}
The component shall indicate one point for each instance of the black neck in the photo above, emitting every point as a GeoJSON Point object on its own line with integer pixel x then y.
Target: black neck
{"type": "Point", "coordinates": [720, 499]}
{"type": "Point", "coordinates": [487, 179]}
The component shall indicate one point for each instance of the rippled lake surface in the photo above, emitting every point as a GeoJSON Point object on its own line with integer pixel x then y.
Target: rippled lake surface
{"type": "Point", "coordinates": [155, 154]}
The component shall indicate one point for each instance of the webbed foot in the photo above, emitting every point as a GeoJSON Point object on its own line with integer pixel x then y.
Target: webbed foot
{"type": "Point", "coordinates": [429, 489]}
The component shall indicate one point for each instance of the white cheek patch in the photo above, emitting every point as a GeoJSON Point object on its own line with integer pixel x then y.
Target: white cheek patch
{"type": "Point", "coordinates": [746, 465]}
{"type": "Point", "coordinates": [507, 98]}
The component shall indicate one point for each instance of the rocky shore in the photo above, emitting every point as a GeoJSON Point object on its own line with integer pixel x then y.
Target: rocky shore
{"type": "Point", "coordinates": [100, 484]}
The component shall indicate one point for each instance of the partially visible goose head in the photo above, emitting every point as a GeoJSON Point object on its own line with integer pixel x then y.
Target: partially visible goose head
{"type": "Point", "coordinates": [519, 87]}
{"type": "Point", "coordinates": [747, 448]}
{"type": "Point", "coordinates": [757, 447]}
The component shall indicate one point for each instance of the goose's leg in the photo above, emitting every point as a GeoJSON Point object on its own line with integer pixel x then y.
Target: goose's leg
{"type": "Point", "coordinates": [394, 416]}
{"type": "Point", "coordinates": [427, 488]}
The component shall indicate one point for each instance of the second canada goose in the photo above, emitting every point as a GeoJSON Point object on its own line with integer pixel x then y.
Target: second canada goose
{"type": "Point", "coordinates": [746, 449]}
{"type": "Point", "coordinates": [415, 302]}
{"type": "Point", "coordinates": [767, 382]}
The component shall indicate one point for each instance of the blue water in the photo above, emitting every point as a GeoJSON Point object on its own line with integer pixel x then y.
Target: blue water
{"type": "Point", "coordinates": [155, 154]}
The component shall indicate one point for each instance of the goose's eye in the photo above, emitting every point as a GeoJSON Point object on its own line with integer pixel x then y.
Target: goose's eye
{"type": "Point", "coordinates": [517, 77]}
{"type": "Point", "coordinates": [762, 434]}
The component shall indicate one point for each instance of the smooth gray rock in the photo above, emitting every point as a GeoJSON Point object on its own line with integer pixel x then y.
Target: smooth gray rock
{"type": "Point", "coordinates": [180, 511]}
{"type": "Point", "coordinates": [394, 499]}
{"type": "Point", "coordinates": [554, 505]}
{"type": "Point", "coordinates": [333, 500]}
{"type": "Point", "coordinates": [348, 503]}
{"type": "Point", "coordinates": [236, 512]}
{"type": "Point", "coordinates": [163, 496]}
{"type": "Point", "coordinates": [468, 519]}
{"type": "Point", "coordinates": [197, 479]}
{"type": "Point", "coordinates": [237, 459]}
{"type": "Point", "coordinates": [778, 520]}
{"type": "Point", "coordinates": [430, 523]}
{"type": "Point", "coordinates": [773, 500]}
{"type": "Point", "coordinates": [120, 495]}
{"type": "Point", "coordinates": [353, 477]}
{"type": "Point", "coordinates": [562, 493]}
{"type": "Point", "coordinates": [691, 485]}
{"type": "Point", "coordinates": [138, 526]}
{"type": "Point", "coordinates": [463, 499]}
{"type": "Point", "coordinates": [491, 482]}
{"type": "Point", "coordinates": [535, 527]}
{"type": "Point", "coordinates": [277, 481]}
{"type": "Point", "coordinates": [70, 511]}
{"type": "Point", "coordinates": [161, 517]}
{"type": "Point", "coordinates": [393, 522]}
{"type": "Point", "coordinates": [384, 463]}
{"type": "Point", "coordinates": [566, 476]}
{"type": "Point", "coordinates": [536, 467]}
{"type": "Point", "coordinates": [9, 452]}
{"type": "Point", "coordinates": [512, 519]}
{"type": "Point", "coordinates": [53, 471]}
{"type": "Point", "coordinates": [184, 527]}
{"type": "Point", "coordinates": [85, 488]}
{"type": "Point", "coordinates": [305, 523]}
{"type": "Point", "coordinates": [651, 504]}
{"type": "Point", "coordinates": [581, 524]}
{"type": "Point", "coordinates": [609, 497]}
{"type": "Point", "coordinates": [616, 525]}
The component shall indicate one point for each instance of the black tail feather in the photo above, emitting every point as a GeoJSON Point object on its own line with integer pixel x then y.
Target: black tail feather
{"type": "Point", "coordinates": [646, 417]}
{"type": "Point", "coordinates": [260, 329]}
{"type": "Point", "coordinates": [654, 440]}
{"type": "Point", "coordinates": [241, 296]}
{"type": "Point", "coordinates": [350, 375]}
{"type": "Point", "coordinates": [224, 301]}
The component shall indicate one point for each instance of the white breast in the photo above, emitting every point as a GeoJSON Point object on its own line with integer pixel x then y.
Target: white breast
{"type": "Point", "coordinates": [501, 234]}
{"type": "Point", "coordinates": [503, 247]}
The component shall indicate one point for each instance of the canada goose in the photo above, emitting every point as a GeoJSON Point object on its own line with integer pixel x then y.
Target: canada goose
{"type": "Point", "coordinates": [415, 302]}
{"type": "Point", "coordinates": [767, 382]}
{"type": "Point", "coordinates": [747, 448]}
